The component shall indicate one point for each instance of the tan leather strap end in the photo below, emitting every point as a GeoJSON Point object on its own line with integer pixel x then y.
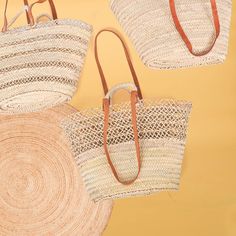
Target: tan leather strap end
{"type": "Point", "coordinates": [106, 106]}
{"type": "Point", "coordinates": [185, 37]}
{"type": "Point", "coordinates": [26, 3]}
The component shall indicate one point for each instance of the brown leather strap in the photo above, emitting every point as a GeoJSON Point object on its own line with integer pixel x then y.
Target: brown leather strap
{"type": "Point", "coordinates": [26, 3]}
{"type": "Point", "coordinates": [53, 10]}
{"type": "Point", "coordinates": [52, 6]}
{"type": "Point", "coordinates": [30, 18]}
{"type": "Point", "coordinates": [4, 28]}
{"type": "Point", "coordinates": [106, 105]}
{"type": "Point", "coordinates": [104, 83]}
{"type": "Point", "coordinates": [185, 37]}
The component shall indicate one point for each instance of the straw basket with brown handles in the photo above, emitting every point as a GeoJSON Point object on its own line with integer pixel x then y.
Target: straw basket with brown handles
{"type": "Point", "coordinates": [132, 148]}
{"type": "Point", "coordinates": [40, 63]}
{"type": "Point", "coordinates": [170, 34]}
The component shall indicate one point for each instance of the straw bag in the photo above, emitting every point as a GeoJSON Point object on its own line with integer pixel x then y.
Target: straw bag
{"type": "Point", "coordinates": [40, 64]}
{"type": "Point", "coordinates": [132, 148]}
{"type": "Point", "coordinates": [171, 34]}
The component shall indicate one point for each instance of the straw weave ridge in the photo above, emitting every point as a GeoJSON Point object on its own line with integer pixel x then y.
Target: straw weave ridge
{"type": "Point", "coordinates": [149, 25]}
{"type": "Point", "coordinates": [41, 191]}
{"type": "Point", "coordinates": [162, 130]}
{"type": "Point", "coordinates": [40, 65]}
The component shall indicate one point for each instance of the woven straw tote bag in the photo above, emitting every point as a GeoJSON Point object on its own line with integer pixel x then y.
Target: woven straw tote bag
{"type": "Point", "coordinates": [41, 191]}
{"type": "Point", "coordinates": [132, 148]}
{"type": "Point", "coordinates": [170, 34]}
{"type": "Point", "coordinates": [40, 63]}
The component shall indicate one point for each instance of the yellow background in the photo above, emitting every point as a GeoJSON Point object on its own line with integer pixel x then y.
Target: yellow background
{"type": "Point", "coordinates": [206, 202]}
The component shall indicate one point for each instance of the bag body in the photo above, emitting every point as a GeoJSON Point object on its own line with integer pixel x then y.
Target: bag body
{"type": "Point", "coordinates": [129, 149]}
{"type": "Point", "coordinates": [41, 64]}
{"type": "Point", "coordinates": [176, 33]}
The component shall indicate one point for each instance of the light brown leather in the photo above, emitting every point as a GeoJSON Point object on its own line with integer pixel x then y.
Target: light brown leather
{"type": "Point", "coordinates": [53, 9]}
{"type": "Point", "coordinates": [26, 3]}
{"type": "Point", "coordinates": [134, 75]}
{"type": "Point", "coordinates": [29, 14]}
{"type": "Point", "coordinates": [52, 6]}
{"type": "Point", "coordinates": [185, 37]}
{"type": "Point", "coordinates": [5, 23]}
{"type": "Point", "coordinates": [106, 107]}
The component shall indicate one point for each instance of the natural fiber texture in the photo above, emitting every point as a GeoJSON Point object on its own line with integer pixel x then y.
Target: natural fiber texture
{"type": "Point", "coordinates": [41, 191]}
{"type": "Point", "coordinates": [150, 26]}
{"type": "Point", "coordinates": [40, 65]}
{"type": "Point", "coordinates": [162, 133]}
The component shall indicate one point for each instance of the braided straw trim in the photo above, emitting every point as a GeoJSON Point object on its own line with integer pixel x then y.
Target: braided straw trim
{"type": "Point", "coordinates": [41, 190]}
{"type": "Point", "coordinates": [150, 26]}
{"type": "Point", "coordinates": [44, 61]}
{"type": "Point", "coordinates": [162, 128]}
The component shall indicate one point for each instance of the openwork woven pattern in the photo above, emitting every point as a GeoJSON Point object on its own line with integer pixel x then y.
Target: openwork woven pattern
{"type": "Point", "coordinates": [162, 133]}
{"type": "Point", "coordinates": [40, 66]}
{"type": "Point", "coordinates": [150, 26]}
{"type": "Point", "coordinates": [41, 191]}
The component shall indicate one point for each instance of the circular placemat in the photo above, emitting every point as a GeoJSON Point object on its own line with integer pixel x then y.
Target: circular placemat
{"type": "Point", "coordinates": [41, 191]}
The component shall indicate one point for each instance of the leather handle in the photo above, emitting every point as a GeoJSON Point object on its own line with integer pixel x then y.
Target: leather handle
{"type": "Point", "coordinates": [52, 6]}
{"type": "Point", "coordinates": [53, 9]}
{"type": "Point", "coordinates": [26, 3]}
{"type": "Point", "coordinates": [185, 37]}
{"type": "Point", "coordinates": [134, 75]}
{"type": "Point", "coordinates": [28, 9]}
{"type": "Point", "coordinates": [106, 107]}
{"type": "Point", "coordinates": [5, 24]}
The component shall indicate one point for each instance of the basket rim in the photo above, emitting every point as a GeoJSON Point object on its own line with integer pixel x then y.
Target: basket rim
{"type": "Point", "coordinates": [52, 23]}
{"type": "Point", "coordinates": [149, 101]}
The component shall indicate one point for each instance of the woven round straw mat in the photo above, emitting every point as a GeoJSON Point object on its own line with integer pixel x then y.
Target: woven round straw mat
{"type": "Point", "coordinates": [41, 191]}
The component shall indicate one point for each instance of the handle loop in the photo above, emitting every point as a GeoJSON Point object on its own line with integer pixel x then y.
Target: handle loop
{"type": "Point", "coordinates": [52, 6]}
{"type": "Point", "coordinates": [104, 83]}
{"type": "Point", "coordinates": [134, 94]}
{"type": "Point", "coordinates": [28, 9]}
{"type": "Point", "coordinates": [185, 37]}
{"type": "Point", "coordinates": [106, 106]}
{"type": "Point", "coordinates": [126, 86]}
{"type": "Point", "coordinates": [39, 17]}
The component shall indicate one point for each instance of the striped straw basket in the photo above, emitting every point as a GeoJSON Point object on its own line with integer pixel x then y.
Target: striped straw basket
{"type": "Point", "coordinates": [128, 149]}
{"type": "Point", "coordinates": [170, 34]}
{"type": "Point", "coordinates": [40, 64]}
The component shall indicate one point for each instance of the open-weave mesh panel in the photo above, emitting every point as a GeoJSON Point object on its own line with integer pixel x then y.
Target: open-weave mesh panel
{"type": "Point", "coordinates": [149, 25]}
{"type": "Point", "coordinates": [162, 130]}
{"type": "Point", "coordinates": [164, 119]}
{"type": "Point", "coordinates": [43, 62]}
